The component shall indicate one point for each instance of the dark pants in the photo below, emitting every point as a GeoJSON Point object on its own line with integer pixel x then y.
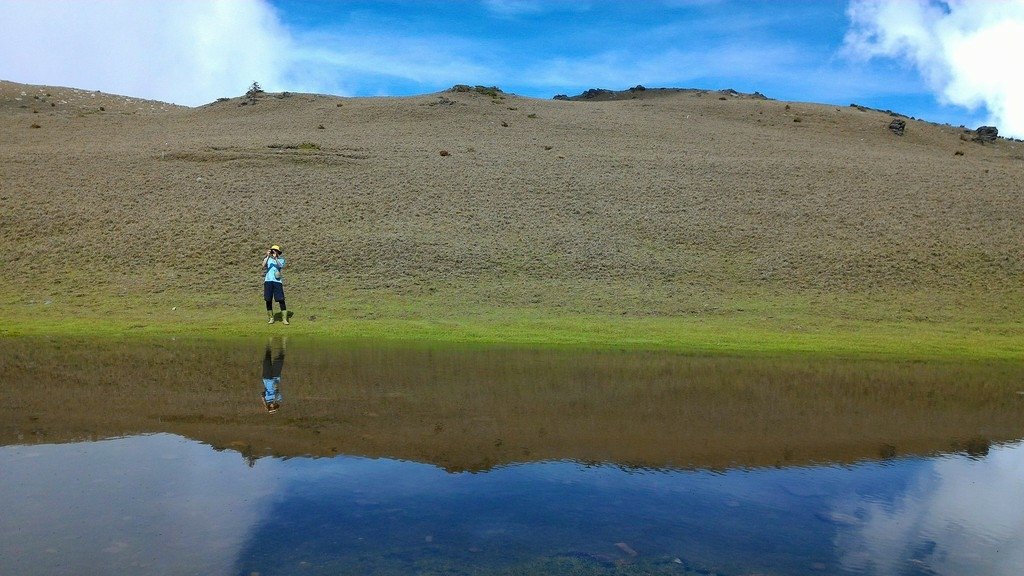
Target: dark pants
{"type": "Point", "coordinates": [272, 363]}
{"type": "Point", "coordinates": [273, 291]}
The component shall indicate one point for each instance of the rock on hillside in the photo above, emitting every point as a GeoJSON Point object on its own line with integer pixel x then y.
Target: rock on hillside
{"type": "Point", "coordinates": [640, 92]}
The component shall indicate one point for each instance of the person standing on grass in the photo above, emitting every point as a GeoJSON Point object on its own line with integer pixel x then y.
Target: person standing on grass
{"type": "Point", "coordinates": [273, 285]}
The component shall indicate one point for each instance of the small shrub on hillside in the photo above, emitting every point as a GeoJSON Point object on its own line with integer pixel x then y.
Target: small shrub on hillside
{"type": "Point", "coordinates": [252, 94]}
{"type": "Point", "coordinates": [445, 153]}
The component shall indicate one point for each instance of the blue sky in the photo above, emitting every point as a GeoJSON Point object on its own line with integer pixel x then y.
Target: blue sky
{"type": "Point", "coordinates": [948, 61]}
{"type": "Point", "coordinates": [789, 51]}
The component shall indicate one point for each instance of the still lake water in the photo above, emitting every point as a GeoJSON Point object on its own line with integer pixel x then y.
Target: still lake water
{"type": "Point", "coordinates": [162, 458]}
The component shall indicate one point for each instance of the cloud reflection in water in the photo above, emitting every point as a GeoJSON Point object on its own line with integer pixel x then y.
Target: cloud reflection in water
{"type": "Point", "coordinates": [958, 516]}
{"type": "Point", "coordinates": [156, 504]}
{"type": "Point", "coordinates": [162, 504]}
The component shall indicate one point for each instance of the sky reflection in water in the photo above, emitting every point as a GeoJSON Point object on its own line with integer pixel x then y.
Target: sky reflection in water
{"type": "Point", "coordinates": [163, 504]}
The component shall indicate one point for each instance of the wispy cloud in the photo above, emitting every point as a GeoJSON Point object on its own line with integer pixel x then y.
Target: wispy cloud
{"type": "Point", "coordinates": [967, 52]}
{"type": "Point", "coordinates": [617, 69]}
{"type": "Point", "coordinates": [360, 58]}
{"type": "Point", "coordinates": [527, 7]}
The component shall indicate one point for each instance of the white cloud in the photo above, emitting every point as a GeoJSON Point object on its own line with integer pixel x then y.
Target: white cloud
{"type": "Point", "coordinates": [967, 51]}
{"type": "Point", "coordinates": [195, 51]}
{"type": "Point", "coordinates": [959, 516]}
{"type": "Point", "coordinates": [187, 51]}
{"type": "Point", "coordinates": [177, 507]}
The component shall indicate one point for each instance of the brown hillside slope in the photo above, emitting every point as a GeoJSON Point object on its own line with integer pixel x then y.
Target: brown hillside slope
{"type": "Point", "coordinates": [688, 204]}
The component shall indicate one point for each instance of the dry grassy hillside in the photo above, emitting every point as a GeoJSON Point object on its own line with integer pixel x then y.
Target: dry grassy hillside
{"type": "Point", "coordinates": [688, 204]}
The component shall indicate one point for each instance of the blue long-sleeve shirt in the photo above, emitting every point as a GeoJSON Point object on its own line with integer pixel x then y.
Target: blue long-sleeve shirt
{"type": "Point", "coordinates": [274, 265]}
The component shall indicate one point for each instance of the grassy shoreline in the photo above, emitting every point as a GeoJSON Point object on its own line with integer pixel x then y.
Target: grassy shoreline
{"type": "Point", "coordinates": [714, 335]}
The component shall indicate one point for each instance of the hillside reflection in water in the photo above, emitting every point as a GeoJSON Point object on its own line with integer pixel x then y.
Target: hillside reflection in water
{"type": "Point", "coordinates": [490, 461]}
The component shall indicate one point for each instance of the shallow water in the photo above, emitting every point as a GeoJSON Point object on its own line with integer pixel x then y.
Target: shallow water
{"type": "Point", "coordinates": [162, 459]}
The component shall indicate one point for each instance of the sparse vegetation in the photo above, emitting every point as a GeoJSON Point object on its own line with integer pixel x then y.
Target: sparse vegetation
{"type": "Point", "coordinates": [493, 91]}
{"type": "Point", "coordinates": [300, 146]}
{"type": "Point", "coordinates": [669, 222]}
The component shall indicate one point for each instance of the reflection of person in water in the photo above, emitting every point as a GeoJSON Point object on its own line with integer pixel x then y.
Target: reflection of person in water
{"type": "Point", "coordinates": [273, 362]}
